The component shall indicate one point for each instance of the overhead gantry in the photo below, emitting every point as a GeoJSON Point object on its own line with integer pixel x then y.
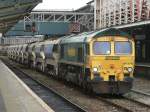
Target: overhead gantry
{"type": "Point", "coordinates": [86, 19]}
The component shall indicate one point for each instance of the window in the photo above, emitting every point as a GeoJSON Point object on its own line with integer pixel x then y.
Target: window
{"type": "Point", "coordinates": [80, 55]}
{"type": "Point", "coordinates": [62, 51]}
{"type": "Point", "coordinates": [87, 49]}
{"type": "Point", "coordinates": [27, 48]}
{"type": "Point", "coordinates": [55, 49]}
{"type": "Point", "coordinates": [42, 48]}
{"type": "Point", "coordinates": [33, 48]}
{"type": "Point", "coordinates": [48, 48]}
{"type": "Point", "coordinates": [123, 48]}
{"type": "Point", "coordinates": [28, 28]}
{"type": "Point", "coordinates": [37, 49]}
{"type": "Point", "coordinates": [102, 48]}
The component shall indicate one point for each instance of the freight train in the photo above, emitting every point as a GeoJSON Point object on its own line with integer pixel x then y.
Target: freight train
{"type": "Point", "coordinates": [100, 61]}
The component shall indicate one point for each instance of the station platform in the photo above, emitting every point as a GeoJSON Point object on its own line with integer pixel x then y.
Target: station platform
{"type": "Point", "coordinates": [15, 96]}
{"type": "Point", "coordinates": [143, 65]}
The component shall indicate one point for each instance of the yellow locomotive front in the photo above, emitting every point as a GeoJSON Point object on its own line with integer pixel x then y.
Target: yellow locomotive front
{"type": "Point", "coordinates": [111, 62]}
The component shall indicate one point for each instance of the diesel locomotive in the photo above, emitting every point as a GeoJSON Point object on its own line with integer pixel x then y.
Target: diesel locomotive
{"type": "Point", "coordinates": [100, 61]}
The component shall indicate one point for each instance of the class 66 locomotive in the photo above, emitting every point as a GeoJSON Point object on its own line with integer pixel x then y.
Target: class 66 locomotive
{"type": "Point", "coordinates": [100, 61]}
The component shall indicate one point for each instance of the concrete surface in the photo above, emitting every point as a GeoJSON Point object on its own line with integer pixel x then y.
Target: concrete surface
{"type": "Point", "coordinates": [15, 96]}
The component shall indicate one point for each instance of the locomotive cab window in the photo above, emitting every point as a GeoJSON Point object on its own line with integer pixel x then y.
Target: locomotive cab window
{"type": "Point", "coordinates": [101, 48]}
{"type": "Point", "coordinates": [123, 48]}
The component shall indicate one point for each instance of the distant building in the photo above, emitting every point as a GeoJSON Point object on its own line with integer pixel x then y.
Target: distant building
{"type": "Point", "coordinates": [89, 7]}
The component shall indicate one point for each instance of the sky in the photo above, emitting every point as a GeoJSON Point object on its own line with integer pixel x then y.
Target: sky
{"type": "Point", "coordinates": [62, 4]}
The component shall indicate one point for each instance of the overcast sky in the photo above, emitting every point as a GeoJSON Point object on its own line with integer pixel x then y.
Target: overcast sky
{"type": "Point", "coordinates": [62, 4]}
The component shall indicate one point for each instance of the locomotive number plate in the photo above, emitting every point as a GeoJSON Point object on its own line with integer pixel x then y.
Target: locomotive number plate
{"type": "Point", "coordinates": [112, 58]}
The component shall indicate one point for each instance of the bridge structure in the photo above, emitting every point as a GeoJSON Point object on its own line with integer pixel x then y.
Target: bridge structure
{"type": "Point", "coordinates": [121, 13]}
{"type": "Point", "coordinates": [11, 11]}
{"type": "Point", "coordinates": [76, 19]}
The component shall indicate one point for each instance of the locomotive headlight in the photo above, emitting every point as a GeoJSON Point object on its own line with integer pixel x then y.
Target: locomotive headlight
{"type": "Point", "coordinates": [95, 69]}
{"type": "Point", "coordinates": [130, 69]}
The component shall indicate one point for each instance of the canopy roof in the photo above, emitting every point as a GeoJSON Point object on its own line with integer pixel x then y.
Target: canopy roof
{"type": "Point", "coordinates": [11, 11]}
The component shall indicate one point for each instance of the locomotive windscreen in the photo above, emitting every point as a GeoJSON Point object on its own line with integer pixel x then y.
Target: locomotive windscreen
{"type": "Point", "coordinates": [123, 48]}
{"type": "Point", "coordinates": [102, 48]}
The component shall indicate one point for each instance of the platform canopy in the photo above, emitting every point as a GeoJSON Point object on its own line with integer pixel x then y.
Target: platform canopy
{"type": "Point", "coordinates": [11, 11]}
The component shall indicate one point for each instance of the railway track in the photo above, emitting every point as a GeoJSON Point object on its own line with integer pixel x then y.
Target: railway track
{"type": "Point", "coordinates": [139, 96]}
{"type": "Point", "coordinates": [56, 101]}
{"type": "Point", "coordinates": [140, 92]}
{"type": "Point", "coordinates": [114, 104]}
{"type": "Point", "coordinates": [135, 101]}
{"type": "Point", "coordinates": [125, 104]}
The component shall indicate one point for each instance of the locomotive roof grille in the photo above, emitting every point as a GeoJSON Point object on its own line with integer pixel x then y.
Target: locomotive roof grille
{"type": "Point", "coordinates": [112, 32]}
{"type": "Point", "coordinates": [85, 37]}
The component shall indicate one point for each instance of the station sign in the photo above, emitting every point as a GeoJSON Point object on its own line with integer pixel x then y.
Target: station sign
{"type": "Point", "coordinates": [75, 27]}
